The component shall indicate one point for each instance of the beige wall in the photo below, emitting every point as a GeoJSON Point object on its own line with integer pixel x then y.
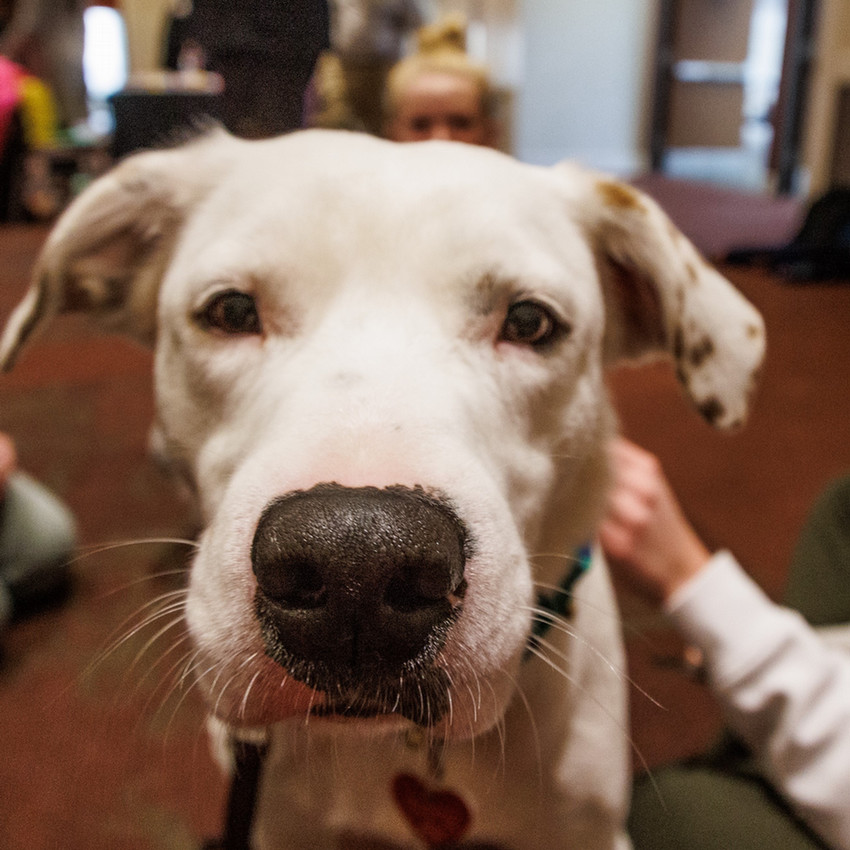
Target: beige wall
{"type": "Point", "coordinates": [831, 74]}
{"type": "Point", "coordinates": [708, 114]}
{"type": "Point", "coordinates": [705, 115]}
{"type": "Point", "coordinates": [716, 30]}
{"type": "Point", "coordinates": [145, 20]}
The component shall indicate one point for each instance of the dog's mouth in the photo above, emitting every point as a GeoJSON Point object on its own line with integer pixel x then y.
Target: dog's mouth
{"type": "Point", "coordinates": [424, 701]}
{"type": "Point", "coordinates": [352, 711]}
{"type": "Point", "coordinates": [417, 690]}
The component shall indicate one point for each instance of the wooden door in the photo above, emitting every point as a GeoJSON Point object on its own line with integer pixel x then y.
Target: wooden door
{"type": "Point", "coordinates": [699, 86]}
{"type": "Point", "coordinates": [704, 77]}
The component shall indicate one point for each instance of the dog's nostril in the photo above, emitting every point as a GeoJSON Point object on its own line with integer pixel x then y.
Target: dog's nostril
{"type": "Point", "coordinates": [301, 586]}
{"type": "Point", "coordinates": [293, 582]}
{"type": "Point", "coordinates": [405, 593]}
{"type": "Point", "coordinates": [422, 584]}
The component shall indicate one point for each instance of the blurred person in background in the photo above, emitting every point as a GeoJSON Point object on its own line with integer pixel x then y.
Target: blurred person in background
{"type": "Point", "coordinates": [438, 92]}
{"type": "Point", "coordinates": [265, 51]}
{"type": "Point", "coordinates": [368, 38]}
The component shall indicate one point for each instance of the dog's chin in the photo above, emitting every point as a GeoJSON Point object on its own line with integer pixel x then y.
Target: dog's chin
{"type": "Point", "coordinates": [419, 694]}
{"type": "Point", "coordinates": [272, 693]}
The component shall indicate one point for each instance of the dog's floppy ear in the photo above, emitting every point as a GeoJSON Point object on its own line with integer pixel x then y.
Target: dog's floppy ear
{"type": "Point", "coordinates": [107, 252]}
{"type": "Point", "coordinates": [662, 297]}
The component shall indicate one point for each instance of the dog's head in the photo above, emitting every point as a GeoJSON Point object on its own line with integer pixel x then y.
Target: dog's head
{"type": "Point", "coordinates": [382, 368]}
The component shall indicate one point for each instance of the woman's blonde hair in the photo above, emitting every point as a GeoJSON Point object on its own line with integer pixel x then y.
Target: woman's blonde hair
{"type": "Point", "coordinates": [440, 48]}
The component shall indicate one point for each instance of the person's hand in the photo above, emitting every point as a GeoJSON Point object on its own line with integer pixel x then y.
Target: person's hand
{"type": "Point", "coordinates": [647, 541]}
{"type": "Point", "coordinates": [8, 460]}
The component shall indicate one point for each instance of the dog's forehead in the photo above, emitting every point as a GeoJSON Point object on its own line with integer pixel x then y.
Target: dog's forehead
{"type": "Point", "coordinates": [354, 159]}
{"type": "Point", "coordinates": [324, 200]}
{"type": "Point", "coordinates": [381, 180]}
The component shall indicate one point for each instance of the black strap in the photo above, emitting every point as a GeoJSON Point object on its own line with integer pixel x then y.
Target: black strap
{"type": "Point", "coordinates": [242, 800]}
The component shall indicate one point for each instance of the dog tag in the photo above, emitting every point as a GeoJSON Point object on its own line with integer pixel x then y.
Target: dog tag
{"type": "Point", "coordinates": [440, 818]}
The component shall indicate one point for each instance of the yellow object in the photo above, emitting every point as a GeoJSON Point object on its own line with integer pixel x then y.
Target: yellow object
{"type": "Point", "coordinates": [38, 113]}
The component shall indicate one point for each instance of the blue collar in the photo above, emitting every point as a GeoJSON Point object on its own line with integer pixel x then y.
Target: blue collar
{"type": "Point", "coordinates": [557, 604]}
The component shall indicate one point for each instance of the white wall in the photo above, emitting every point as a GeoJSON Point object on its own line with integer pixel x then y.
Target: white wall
{"type": "Point", "coordinates": [585, 91]}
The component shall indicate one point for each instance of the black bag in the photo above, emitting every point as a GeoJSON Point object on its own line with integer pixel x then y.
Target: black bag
{"type": "Point", "coordinates": [820, 251]}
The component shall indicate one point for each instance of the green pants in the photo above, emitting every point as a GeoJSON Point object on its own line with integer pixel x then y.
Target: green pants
{"type": "Point", "coordinates": [720, 801]}
{"type": "Point", "coordinates": [37, 539]}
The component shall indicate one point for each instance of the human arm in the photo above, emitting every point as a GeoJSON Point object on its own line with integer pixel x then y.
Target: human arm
{"type": "Point", "coordinates": [782, 689]}
{"type": "Point", "coordinates": [650, 544]}
{"type": "Point", "coordinates": [8, 460]}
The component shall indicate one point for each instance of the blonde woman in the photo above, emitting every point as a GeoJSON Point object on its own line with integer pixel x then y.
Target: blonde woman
{"type": "Point", "coordinates": [438, 92]}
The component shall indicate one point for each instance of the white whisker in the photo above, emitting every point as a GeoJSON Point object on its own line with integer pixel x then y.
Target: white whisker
{"type": "Point", "coordinates": [214, 685]}
{"type": "Point", "coordinates": [176, 621]}
{"type": "Point", "coordinates": [518, 691]}
{"type": "Point", "coordinates": [567, 557]}
{"type": "Point", "coordinates": [538, 652]}
{"type": "Point", "coordinates": [244, 704]}
{"type": "Point", "coordinates": [558, 624]}
{"type": "Point", "coordinates": [172, 685]}
{"type": "Point", "coordinates": [162, 607]}
{"type": "Point", "coordinates": [98, 548]}
{"type": "Point", "coordinates": [189, 663]}
{"type": "Point", "coordinates": [610, 612]}
{"type": "Point", "coordinates": [500, 731]}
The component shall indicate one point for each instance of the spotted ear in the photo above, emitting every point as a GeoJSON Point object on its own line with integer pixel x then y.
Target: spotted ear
{"type": "Point", "coordinates": [662, 297]}
{"type": "Point", "coordinates": [107, 253]}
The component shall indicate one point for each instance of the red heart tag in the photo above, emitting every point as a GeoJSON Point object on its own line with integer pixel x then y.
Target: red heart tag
{"type": "Point", "coordinates": [439, 818]}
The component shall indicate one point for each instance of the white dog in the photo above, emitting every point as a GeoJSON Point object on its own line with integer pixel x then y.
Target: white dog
{"type": "Point", "coordinates": [381, 367]}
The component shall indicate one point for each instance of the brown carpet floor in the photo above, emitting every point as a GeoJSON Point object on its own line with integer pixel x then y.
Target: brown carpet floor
{"type": "Point", "coordinates": [103, 748]}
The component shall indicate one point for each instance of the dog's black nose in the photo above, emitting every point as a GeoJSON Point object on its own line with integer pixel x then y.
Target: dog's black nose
{"type": "Point", "coordinates": [354, 582]}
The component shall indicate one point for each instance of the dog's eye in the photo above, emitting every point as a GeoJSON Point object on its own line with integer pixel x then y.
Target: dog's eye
{"type": "Point", "coordinates": [530, 323]}
{"type": "Point", "coordinates": [232, 312]}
